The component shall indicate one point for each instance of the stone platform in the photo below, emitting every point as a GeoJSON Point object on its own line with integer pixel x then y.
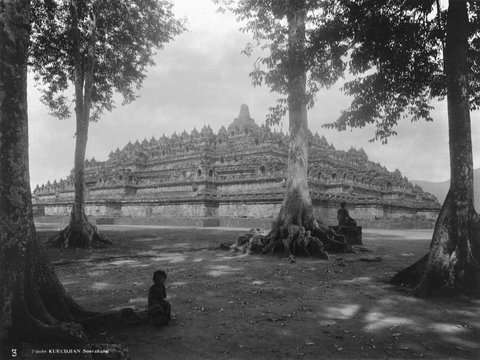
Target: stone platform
{"type": "Point", "coordinates": [353, 234]}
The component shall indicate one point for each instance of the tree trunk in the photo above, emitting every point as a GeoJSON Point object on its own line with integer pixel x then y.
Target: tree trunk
{"type": "Point", "coordinates": [297, 208]}
{"type": "Point", "coordinates": [80, 233]}
{"type": "Point", "coordinates": [297, 205]}
{"type": "Point", "coordinates": [453, 264]}
{"type": "Point", "coordinates": [34, 306]}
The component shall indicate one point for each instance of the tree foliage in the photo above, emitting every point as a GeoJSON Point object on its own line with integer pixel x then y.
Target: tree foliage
{"type": "Point", "coordinates": [323, 56]}
{"type": "Point", "coordinates": [397, 58]}
{"type": "Point", "coordinates": [393, 50]}
{"type": "Point", "coordinates": [126, 36]}
{"type": "Point", "coordinates": [404, 54]}
{"type": "Point", "coordinates": [101, 47]}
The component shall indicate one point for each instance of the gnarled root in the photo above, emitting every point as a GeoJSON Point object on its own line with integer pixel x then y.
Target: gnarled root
{"type": "Point", "coordinates": [293, 240]}
{"type": "Point", "coordinates": [36, 322]}
{"type": "Point", "coordinates": [114, 319]}
{"type": "Point", "coordinates": [411, 276]}
{"type": "Point", "coordinates": [253, 242]}
{"type": "Point", "coordinates": [297, 241]}
{"type": "Point", "coordinates": [332, 241]}
{"type": "Point", "coordinates": [84, 235]}
{"type": "Point", "coordinates": [42, 311]}
{"type": "Point", "coordinates": [452, 265]}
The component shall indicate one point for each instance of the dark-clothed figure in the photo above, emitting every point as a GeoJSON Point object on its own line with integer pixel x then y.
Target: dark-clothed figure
{"type": "Point", "coordinates": [159, 309]}
{"type": "Point", "coordinates": [343, 216]}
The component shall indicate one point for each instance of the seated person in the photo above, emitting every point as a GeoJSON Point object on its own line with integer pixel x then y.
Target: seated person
{"type": "Point", "coordinates": [159, 309]}
{"type": "Point", "coordinates": [343, 216]}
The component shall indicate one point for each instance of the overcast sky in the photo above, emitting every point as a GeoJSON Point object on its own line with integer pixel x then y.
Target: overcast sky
{"type": "Point", "coordinates": [202, 78]}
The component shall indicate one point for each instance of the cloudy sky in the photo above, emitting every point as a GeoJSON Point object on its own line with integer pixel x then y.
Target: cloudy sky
{"type": "Point", "coordinates": [202, 78]}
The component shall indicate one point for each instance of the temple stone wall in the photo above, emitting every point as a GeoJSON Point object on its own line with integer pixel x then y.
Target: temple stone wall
{"type": "Point", "coordinates": [57, 210]}
{"type": "Point", "coordinates": [368, 215]}
{"type": "Point", "coordinates": [237, 213]}
{"type": "Point", "coordinates": [171, 210]}
{"type": "Point", "coordinates": [49, 198]}
{"type": "Point", "coordinates": [428, 215]}
{"type": "Point", "coordinates": [184, 188]}
{"type": "Point", "coordinates": [234, 178]}
{"type": "Point", "coordinates": [101, 193]}
{"type": "Point", "coordinates": [62, 196]}
{"type": "Point", "coordinates": [249, 210]}
{"type": "Point", "coordinates": [100, 210]}
{"type": "Point", "coordinates": [258, 185]}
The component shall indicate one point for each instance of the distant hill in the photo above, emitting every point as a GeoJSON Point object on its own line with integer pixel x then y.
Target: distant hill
{"type": "Point", "coordinates": [440, 189]}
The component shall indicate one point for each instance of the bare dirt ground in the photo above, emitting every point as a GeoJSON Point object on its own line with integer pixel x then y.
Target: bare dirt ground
{"type": "Point", "coordinates": [234, 306]}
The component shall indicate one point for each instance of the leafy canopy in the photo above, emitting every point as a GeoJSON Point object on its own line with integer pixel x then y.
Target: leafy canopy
{"type": "Point", "coordinates": [398, 60]}
{"type": "Point", "coordinates": [393, 49]}
{"type": "Point", "coordinates": [126, 34]}
{"type": "Point", "coordinates": [324, 51]}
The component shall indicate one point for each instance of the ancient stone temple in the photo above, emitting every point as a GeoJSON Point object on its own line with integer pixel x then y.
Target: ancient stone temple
{"type": "Point", "coordinates": [233, 178]}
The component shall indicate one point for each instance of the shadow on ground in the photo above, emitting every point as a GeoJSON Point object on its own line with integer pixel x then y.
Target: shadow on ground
{"type": "Point", "coordinates": [233, 306]}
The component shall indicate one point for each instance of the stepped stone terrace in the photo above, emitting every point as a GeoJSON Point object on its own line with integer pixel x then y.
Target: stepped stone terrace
{"type": "Point", "coordinates": [234, 178]}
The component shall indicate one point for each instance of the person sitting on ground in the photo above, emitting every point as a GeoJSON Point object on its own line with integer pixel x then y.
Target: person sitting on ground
{"type": "Point", "coordinates": [343, 216]}
{"type": "Point", "coordinates": [159, 309]}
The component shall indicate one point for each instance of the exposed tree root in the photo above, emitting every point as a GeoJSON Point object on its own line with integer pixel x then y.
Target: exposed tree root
{"type": "Point", "coordinates": [122, 317]}
{"type": "Point", "coordinates": [36, 322]}
{"type": "Point", "coordinates": [42, 312]}
{"type": "Point", "coordinates": [452, 266]}
{"type": "Point", "coordinates": [84, 235]}
{"type": "Point", "coordinates": [332, 241]}
{"type": "Point", "coordinates": [411, 276]}
{"type": "Point", "coordinates": [293, 240]}
{"type": "Point", "coordinates": [42, 327]}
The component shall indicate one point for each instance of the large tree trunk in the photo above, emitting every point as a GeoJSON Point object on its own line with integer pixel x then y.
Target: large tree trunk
{"type": "Point", "coordinates": [296, 215]}
{"type": "Point", "coordinates": [34, 306]}
{"type": "Point", "coordinates": [80, 233]}
{"type": "Point", "coordinates": [453, 262]}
